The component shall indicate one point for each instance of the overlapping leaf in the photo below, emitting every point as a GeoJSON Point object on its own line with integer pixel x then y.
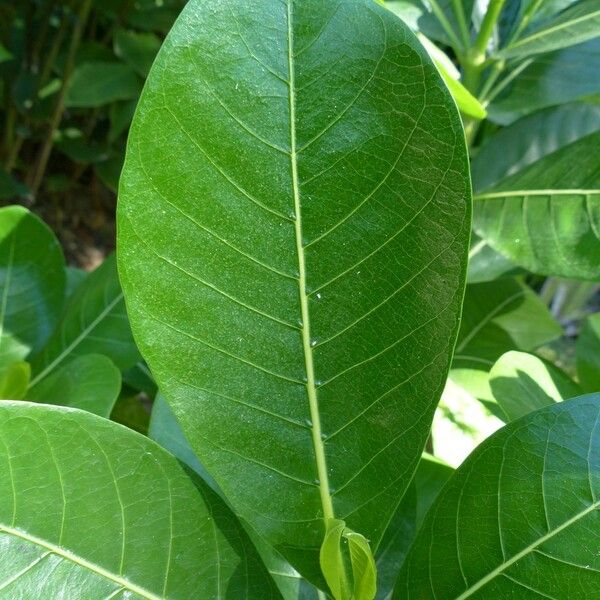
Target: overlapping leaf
{"type": "Point", "coordinates": [150, 532]}
{"type": "Point", "coordinates": [32, 283]}
{"type": "Point", "coordinates": [546, 217]}
{"type": "Point", "coordinates": [293, 222]}
{"type": "Point", "coordinates": [520, 518]}
{"type": "Point", "coordinates": [94, 321]}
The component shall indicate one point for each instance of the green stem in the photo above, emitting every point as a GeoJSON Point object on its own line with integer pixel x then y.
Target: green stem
{"type": "Point", "coordinates": [476, 57]}
{"type": "Point", "coordinates": [459, 13]}
{"type": "Point", "coordinates": [59, 108]}
{"type": "Point", "coordinates": [441, 17]}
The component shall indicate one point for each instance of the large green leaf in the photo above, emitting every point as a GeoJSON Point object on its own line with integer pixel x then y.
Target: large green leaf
{"type": "Point", "coordinates": [529, 139]}
{"type": "Point", "coordinates": [522, 383]}
{"type": "Point", "coordinates": [94, 321]}
{"type": "Point", "coordinates": [90, 509]}
{"type": "Point", "coordinates": [292, 244]}
{"type": "Point", "coordinates": [520, 518]}
{"type": "Point", "coordinates": [89, 382]}
{"type": "Point", "coordinates": [546, 217]}
{"type": "Point", "coordinates": [551, 79]}
{"type": "Point", "coordinates": [32, 283]}
{"type": "Point", "coordinates": [577, 24]}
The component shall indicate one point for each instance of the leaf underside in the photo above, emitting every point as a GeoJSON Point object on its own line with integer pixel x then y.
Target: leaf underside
{"type": "Point", "coordinates": [293, 223]}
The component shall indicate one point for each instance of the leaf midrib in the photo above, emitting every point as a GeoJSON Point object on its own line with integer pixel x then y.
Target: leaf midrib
{"type": "Point", "coordinates": [506, 564]}
{"type": "Point", "coordinates": [82, 562]}
{"type": "Point", "coordinates": [541, 192]}
{"type": "Point", "coordinates": [311, 388]}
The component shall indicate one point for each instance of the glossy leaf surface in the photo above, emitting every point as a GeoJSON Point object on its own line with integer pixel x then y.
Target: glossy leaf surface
{"type": "Point", "coordinates": [546, 217]}
{"type": "Point", "coordinates": [93, 321]}
{"type": "Point", "coordinates": [32, 283]}
{"type": "Point", "coordinates": [90, 382]}
{"type": "Point", "coordinates": [575, 25]}
{"type": "Point", "coordinates": [551, 79]}
{"type": "Point", "coordinates": [510, 523]}
{"type": "Point", "coordinates": [292, 244]}
{"type": "Point", "coordinates": [522, 383]}
{"type": "Point", "coordinates": [90, 509]}
{"type": "Point", "coordinates": [529, 140]}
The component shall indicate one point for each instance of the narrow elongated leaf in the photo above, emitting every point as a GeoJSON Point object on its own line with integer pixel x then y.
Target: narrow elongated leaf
{"type": "Point", "coordinates": [522, 383]}
{"type": "Point", "coordinates": [546, 218]}
{"type": "Point", "coordinates": [551, 79]}
{"type": "Point", "coordinates": [575, 25]}
{"type": "Point", "coordinates": [520, 518]}
{"type": "Point", "coordinates": [293, 255]}
{"type": "Point", "coordinates": [93, 321]}
{"type": "Point", "coordinates": [89, 382]}
{"type": "Point", "coordinates": [588, 354]}
{"type": "Point", "coordinates": [32, 283]}
{"type": "Point", "coordinates": [90, 509]}
{"type": "Point", "coordinates": [529, 140]}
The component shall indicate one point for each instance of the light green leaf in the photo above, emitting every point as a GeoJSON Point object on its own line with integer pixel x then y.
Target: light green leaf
{"type": "Point", "coordinates": [364, 571]}
{"type": "Point", "coordinates": [530, 139]}
{"type": "Point", "coordinates": [14, 380]}
{"type": "Point", "coordinates": [497, 317]}
{"type": "Point", "coordinates": [485, 264]}
{"type": "Point", "coordinates": [138, 50]}
{"type": "Point", "coordinates": [96, 84]}
{"type": "Point", "coordinates": [546, 217]}
{"type": "Point", "coordinates": [32, 283]}
{"type": "Point", "coordinates": [279, 249]}
{"type": "Point", "coordinates": [91, 509]}
{"type": "Point", "coordinates": [522, 383]}
{"type": "Point", "coordinates": [94, 321]}
{"type": "Point", "coordinates": [90, 382]}
{"type": "Point", "coordinates": [510, 523]}
{"type": "Point", "coordinates": [332, 560]}
{"type": "Point", "coordinates": [555, 78]}
{"type": "Point", "coordinates": [577, 24]}
{"type": "Point", "coordinates": [588, 354]}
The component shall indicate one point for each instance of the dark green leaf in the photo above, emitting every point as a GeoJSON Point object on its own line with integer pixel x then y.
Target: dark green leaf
{"type": "Point", "coordinates": [90, 509]}
{"type": "Point", "coordinates": [546, 217]}
{"type": "Point", "coordinates": [99, 83]}
{"type": "Point", "coordinates": [138, 50]}
{"type": "Point", "coordinates": [519, 519]}
{"type": "Point", "coordinates": [555, 78]}
{"type": "Point", "coordinates": [292, 245]}
{"type": "Point", "coordinates": [577, 24]}
{"type": "Point", "coordinates": [32, 283]}
{"type": "Point", "coordinates": [90, 382]}
{"type": "Point", "coordinates": [530, 139]}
